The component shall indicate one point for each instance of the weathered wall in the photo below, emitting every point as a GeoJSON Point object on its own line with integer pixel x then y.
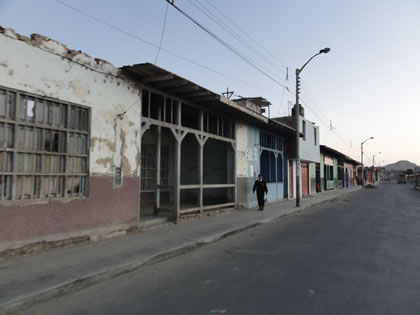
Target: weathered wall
{"type": "Point", "coordinates": [47, 68]}
{"type": "Point", "coordinates": [312, 178]}
{"type": "Point", "coordinates": [322, 171]}
{"type": "Point", "coordinates": [248, 167]}
{"type": "Point", "coordinates": [308, 150]}
{"type": "Point", "coordinates": [349, 182]}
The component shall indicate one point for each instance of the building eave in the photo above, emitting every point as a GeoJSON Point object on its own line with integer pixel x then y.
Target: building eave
{"type": "Point", "coordinates": [158, 78]}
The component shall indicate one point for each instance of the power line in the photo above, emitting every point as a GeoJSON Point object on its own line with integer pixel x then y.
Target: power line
{"type": "Point", "coordinates": [315, 104]}
{"type": "Point", "coordinates": [189, 60]}
{"type": "Point", "coordinates": [231, 48]}
{"type": "Point", "coordinates": [239, 38]}
{"type": "Point", "coordinates": [246, 34]}
{"type": "Point", "coordinates": [203, 9]}
{"type": "Point", "coordinates": [163, 32]}
{"type": "Point", "coordinates": [166, 50]}
{"type": "Point", "coordinates": [327, 126]}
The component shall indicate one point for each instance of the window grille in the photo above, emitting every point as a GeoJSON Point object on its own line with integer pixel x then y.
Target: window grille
{"type": "Point", "coordinates": [44, 147]}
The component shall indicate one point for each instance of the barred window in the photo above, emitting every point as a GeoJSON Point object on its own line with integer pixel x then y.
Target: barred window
{"type": "Point", "coordinates": [271, 167]}
{"type": "Point", "coordinates": [44, 147]}
{"type": "Point", "coordinates": [271, 141]}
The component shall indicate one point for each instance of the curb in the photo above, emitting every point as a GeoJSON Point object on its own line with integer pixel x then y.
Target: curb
{"type": "Point", "coordinates": [84, 281]}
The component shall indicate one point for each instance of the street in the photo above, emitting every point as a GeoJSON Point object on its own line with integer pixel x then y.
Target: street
{"type": "Point", "coordinates": [359, 254]}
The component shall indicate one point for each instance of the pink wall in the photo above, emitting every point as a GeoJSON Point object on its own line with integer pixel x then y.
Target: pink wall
{"type": "Point", "coordinates": [106, 206]}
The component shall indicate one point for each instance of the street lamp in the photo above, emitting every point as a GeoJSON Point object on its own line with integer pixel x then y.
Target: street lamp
{"type": "Point", "coordinates": [374, 158]}
{"type": "Point", "coordinates": [297, 124]}
{"type": "Point", "coordinates": [373, 169]}
{"type": "Point", "coordinates": [361, 149]}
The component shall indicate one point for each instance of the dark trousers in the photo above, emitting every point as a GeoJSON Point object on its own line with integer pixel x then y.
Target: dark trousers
{"type": "Point", "coordinates": [260, 197]}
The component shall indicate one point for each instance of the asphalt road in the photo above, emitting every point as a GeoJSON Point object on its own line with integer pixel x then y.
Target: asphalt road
{"type": "Point", "coordinates": [357, 255]}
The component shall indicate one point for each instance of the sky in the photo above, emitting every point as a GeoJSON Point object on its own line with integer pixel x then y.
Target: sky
{"type": "Point", "coordinates": [367, 86]}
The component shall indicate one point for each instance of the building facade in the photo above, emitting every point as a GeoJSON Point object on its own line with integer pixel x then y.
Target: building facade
{"type": "Point", "coordinates": [261, 150]}
{"type": "Point", "coordinates": [89, 151]}
{"type": "Point", "coordinates": [62, 141]}
{"type": "Point", "coordinates": [309, 153]}
{"type": "Point", "coordinates": [337, 169]}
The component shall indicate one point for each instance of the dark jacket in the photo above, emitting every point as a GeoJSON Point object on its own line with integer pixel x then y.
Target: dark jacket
{"type": "Point", "coordinates": [260, 187]}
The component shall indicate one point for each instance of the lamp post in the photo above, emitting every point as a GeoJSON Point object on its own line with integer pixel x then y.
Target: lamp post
{"type": "Point", "coordinates": [297, 123]}
{"type": "Point", "coordinates": [374, 175]}
{"type": "Point", "coordinates": [374, 158]}
{"type": "Point", "coordinates": [361, 149]}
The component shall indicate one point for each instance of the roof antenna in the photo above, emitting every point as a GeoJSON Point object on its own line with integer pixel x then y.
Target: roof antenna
{"type": "Point", "coordinates": [228, 94]}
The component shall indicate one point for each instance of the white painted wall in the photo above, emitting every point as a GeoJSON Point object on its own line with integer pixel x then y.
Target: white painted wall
{"type": "Point", "coordinates": [308, 150]}
{"type": "Point", "coordinates": [241, 150]}
{"type": "Point", "coordinates": [38, 66]}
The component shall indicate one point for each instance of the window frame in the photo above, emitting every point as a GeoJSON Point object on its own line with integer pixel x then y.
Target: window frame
{"type": "Point", "coordinates": [273, 145]}
{"type": "Point", "coordinates": [53, 161]}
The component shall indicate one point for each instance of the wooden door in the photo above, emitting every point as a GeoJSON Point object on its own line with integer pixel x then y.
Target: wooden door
{"type": "Point", "coordinates": [305, 179]}
{"type": "Point", "coordinates": [291, 179]}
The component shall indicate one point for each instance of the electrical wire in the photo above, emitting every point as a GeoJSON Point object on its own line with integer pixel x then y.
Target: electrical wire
{"type": "Point", "coordinates": [327, 126]}
{"type": "Point", "coordinates": [166, 50]}
{"type": "Point", "coordinates": [240, 39]}
{"type": "Point", "coordinates": [186, 60]}
{"type": "Point", "coordinates": [224, 43]}
{"type": "Point", "coordinates": [203, 9]}
{"type": "Point", "coordinates": [163, 32]}
{"type": "Point", "coordinates": [246, 34]}
{"type": "Point", "coordinates": [121, 115]}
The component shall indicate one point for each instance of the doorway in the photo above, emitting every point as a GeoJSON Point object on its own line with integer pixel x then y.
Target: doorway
{"type": "Point", "coordinates": [291, 179]}
{"type": "Point", "coordinates": [318, 177]}
{"type": "Point", "coordinates": [305, 179]}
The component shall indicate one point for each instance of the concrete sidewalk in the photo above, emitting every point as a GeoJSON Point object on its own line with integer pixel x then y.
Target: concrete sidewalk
{"type": "Point", "coordinates": [31, 279]}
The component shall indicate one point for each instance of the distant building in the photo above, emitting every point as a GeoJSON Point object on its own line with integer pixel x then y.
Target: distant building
{"type": "Point", "coordinates": [261, 150]}
{"type": "Point", "coordinates": [337, 169]}
{"type": "Point", "coordinates": [309, 155]}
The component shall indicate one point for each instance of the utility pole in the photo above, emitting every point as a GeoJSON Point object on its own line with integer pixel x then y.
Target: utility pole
{"type": "Point", "coordinates": [297, 126]}
{"type": "Point", "coordinates": [374, 174]}
{"type": "Point", "coordinates": [297, 123]}
{"type": "Point", "coordinates": [361, 157]}
{"type": "Point", "coordinates": [361, 149]}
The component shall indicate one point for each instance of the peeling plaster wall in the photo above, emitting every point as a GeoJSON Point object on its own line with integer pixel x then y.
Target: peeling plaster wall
{"type": "Point", "coordinates": [248, 167]}
{"type": "Point", "coordinates": [309, 151]}
{"type": "Point", "coordinates": [48, 68]}
{"type": "Point", "coordinates": [241, 150]}
{"type": "Point", "coordinates": [25, 65]}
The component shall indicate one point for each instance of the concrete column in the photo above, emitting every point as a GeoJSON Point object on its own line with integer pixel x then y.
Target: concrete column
{"type": "Point", "coordinates": [276, 155]}
{"type": "Point", "coordinates": [158, 157]}
{"type": "Point", "coordinates": [177, 192]}
{"type": "Point", "coordinates": [235, 177]}
{"type": "Point", "coordinates": [200, 162]}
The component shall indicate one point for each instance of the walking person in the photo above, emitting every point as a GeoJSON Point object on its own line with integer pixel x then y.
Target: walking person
{"type": "Point", "coordinates": [261, 187]}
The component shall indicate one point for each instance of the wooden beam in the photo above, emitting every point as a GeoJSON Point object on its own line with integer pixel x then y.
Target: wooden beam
{"type": "Point", "coordinates": [195, 94]}
{"type": "Point", "coordinates": [187, 88]}
{"type": "Point", "coordinates": [205, 98]}
{"type": "Point", "coordinates": [171, 83]}
{"type": "Point", "coordinates": [157, 78]}
{"type": "Point", "coordinates": [174, 128]}
{"type": "Point", "coordinates": [223, 205]}
{"type": "Point", "coordinates": [189, 210]}
{"type": "Point", "coordinates": [145, 125]}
